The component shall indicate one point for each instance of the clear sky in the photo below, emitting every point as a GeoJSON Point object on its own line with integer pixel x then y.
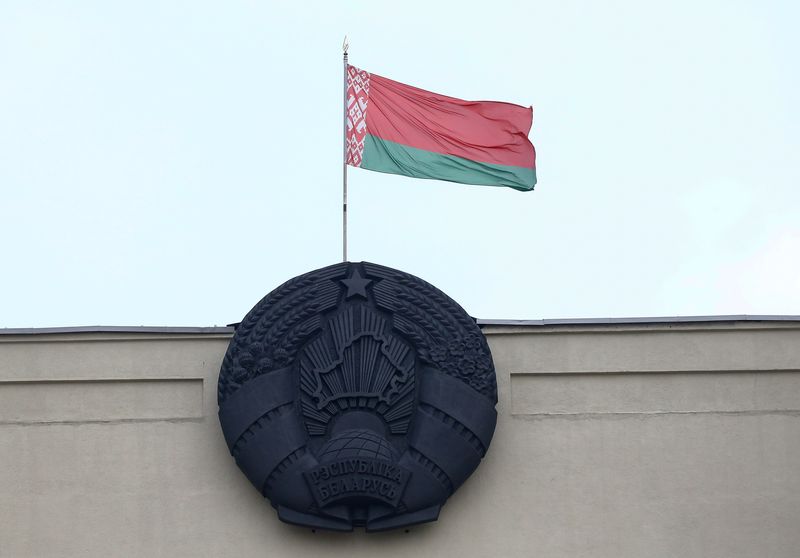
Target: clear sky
{"type": "Point", "coordinates": [169, 163]}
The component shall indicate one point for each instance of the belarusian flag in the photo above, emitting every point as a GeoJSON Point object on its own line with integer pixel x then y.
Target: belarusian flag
{"type": "Point", "coordinates": [399, 129]}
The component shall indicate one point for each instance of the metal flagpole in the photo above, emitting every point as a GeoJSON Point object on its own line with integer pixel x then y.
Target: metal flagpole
{"type": "Point", "coordinates": [344, 156]}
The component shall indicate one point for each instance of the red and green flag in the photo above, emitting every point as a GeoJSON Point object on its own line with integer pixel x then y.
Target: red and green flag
{"type": "Point", "coordinates": [400, 129]}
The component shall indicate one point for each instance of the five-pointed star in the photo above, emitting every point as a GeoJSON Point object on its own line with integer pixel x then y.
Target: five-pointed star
{"type": "Point", "coordinates": [356, 285]}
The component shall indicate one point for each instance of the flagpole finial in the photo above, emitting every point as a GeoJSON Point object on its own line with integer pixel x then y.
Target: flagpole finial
{"type": "Point", "coordinates": [345, 45]}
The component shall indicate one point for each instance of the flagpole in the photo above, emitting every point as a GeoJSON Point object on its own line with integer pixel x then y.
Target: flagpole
{"type": "Point", "coordinates": [344, 154]}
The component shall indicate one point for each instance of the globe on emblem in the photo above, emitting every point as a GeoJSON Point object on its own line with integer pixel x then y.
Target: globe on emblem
{"type": "Point", "coordinates": [357, 443]}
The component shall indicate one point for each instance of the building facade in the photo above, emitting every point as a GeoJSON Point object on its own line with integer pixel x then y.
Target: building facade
{"type": "Point", "coordinates": [615, 438]}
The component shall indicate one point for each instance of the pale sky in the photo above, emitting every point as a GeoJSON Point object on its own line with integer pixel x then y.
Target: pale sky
{"type": "Point", "coordinates": [170, 163]}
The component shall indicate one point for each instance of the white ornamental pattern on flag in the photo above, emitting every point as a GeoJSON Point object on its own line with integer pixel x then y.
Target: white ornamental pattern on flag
{"type": "Point", "coordinates": [357, 98]}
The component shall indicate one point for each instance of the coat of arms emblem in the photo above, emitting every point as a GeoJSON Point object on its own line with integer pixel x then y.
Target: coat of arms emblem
{"type": "Point", "coordinates": [357, 395]}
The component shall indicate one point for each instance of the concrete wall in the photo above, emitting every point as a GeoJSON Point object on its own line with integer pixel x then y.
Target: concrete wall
{"type": "Point", "coordinates": [637, 440]}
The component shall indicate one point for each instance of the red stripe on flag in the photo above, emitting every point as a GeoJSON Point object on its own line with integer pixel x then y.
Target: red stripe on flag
{"type": "Point", "coordinates": [483, 131]}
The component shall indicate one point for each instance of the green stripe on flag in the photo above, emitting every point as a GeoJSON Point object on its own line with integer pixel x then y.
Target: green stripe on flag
{"type": "Point", "coordinates": [395, 158]}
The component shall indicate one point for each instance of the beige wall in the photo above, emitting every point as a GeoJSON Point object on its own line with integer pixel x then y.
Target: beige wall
{"type": "Point", "coordinates": [673, 440]}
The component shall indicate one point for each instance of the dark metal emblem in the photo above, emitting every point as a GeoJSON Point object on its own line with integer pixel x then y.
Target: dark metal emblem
{"type": "Point", "coordinates": [357, 395]}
